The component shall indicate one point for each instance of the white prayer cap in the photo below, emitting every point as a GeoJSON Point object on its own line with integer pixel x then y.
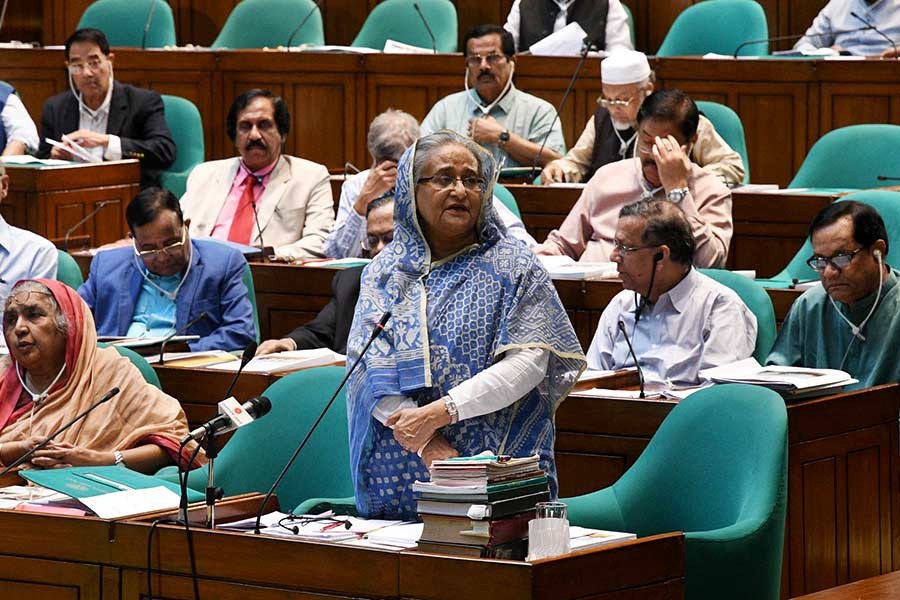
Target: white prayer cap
{"type": "Point", "coordinates": [624, 67]}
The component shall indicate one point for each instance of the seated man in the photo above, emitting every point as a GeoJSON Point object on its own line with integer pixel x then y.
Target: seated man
{"type": "Point", "coordinates": [165, 280]}
{"type": "Point", "coordinates": [331, 326]}
{"type": "Point", "coordinates": [262, 197]}
{"type": "Point", "coordinates": [109, 119]}
{"type": "Point", "coordinates": [667, 127]}
{"type": "Point", "coordinates": [509, 123]}
{"type": "Point", "coordinates": [23, 254]}
{"type": "Point", "coordinates": [609, 135]}
{"type": "Point", "coordinates": [851, 322]}
{"type": "Point", "coordinates": [678, 320]}
{"type": "Point", "coordinates": [530, 21]}
{"type": "Point", "coordinates": [836, 27]}
{"type": "Point", "coordinates": [18, 134]}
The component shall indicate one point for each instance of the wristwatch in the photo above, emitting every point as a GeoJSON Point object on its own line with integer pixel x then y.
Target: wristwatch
{"type": "Point", "coordinates": [120, 458]}
{"type": "Point", "coordinates": [452, 410]}
{"type": "Point", "coordinates": [676, 195]}
{"type": "Point", "coordinates": [504, 137]}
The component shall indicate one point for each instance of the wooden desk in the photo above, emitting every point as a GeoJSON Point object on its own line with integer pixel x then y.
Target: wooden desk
{"type": "Point", "coordinates": [843, 522]}
{"type": "Point", "coordinates": [50, 200]}
{"type": "Point", "coordinates": [873, 588]}
{"type": "Point", "coordinates": [60, 557]}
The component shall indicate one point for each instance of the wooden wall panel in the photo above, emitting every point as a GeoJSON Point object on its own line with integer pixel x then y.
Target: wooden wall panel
{"type": "Point", "coordinates": [854, 103]}
{"type": "Point", "coordinates": [50, 580]}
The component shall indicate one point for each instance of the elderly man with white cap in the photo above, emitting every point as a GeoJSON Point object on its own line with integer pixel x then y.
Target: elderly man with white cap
{"type": "Point", "coordinates": [610, 134]}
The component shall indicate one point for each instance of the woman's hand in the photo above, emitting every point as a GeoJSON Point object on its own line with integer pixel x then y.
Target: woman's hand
{"type": "Point", "coordinates": [10, 452]}
{"type": "Point", "coordinates": [438, 449]}
{"type": "Point", "coordinates": [56, 455]}
{"type": "Point", "coordinates": [414, 426]}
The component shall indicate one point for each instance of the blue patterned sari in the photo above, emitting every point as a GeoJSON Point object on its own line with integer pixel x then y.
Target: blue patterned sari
{"type": "Point", "coordinates": [451, 320]}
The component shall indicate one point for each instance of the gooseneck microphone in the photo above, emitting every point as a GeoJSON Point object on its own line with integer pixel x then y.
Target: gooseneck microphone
{"type": "Point", "coordinates": [794, 36]}
{"type": "Point", "coordinates": [303, 22]}
{"type": "Point", "coordinates": [427, 28]}
{"type": "Point", "coordinates": [876, 30]}
{"type": "Point", "coordinates": [147, 24]}
{"type": "Point", "coordinates": [588, 44]}
{"type": "Point", "coordinates": [100, 206]}
{"type": "Point", "coordinates": [379, 327]}
{"type": "Point", "coordinates": [246, 357]}
{"type": "Point", "coordinates": [177, 332]}
{"type": "Point", "coordinates": [222, 423]}
{"type": "Point", "coordinates": [105, 398]}
{"type": "Point", "coordinates": [637, 365]}
{"type": "Point", "coordinates": [887, 178]}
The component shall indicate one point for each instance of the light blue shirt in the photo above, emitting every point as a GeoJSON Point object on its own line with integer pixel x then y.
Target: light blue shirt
{"type": "Point", "coordinates": [697, 324]}
{"type": "Point", "coordinates": [835, 17]}
{"type": "Point", "coordinates": [24, 255]}
{"type": "Point", "coordinates": [521, 113]}
{"type": "Point", "coordinates": [154, 312]}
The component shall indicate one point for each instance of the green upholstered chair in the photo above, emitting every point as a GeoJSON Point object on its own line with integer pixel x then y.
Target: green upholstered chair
{"type": "Point", "coordinates": [851, 157]}
{"type": "Point", "coordinates": [251, 294]}
{"type": "Point", "coordinates": [630, 23]}
{"type": "Point", "coordinates": [888, 206]}
{"type": "Point", "coordinates": [505, 196]}
{"type": "Point", "coordinates": [256, 454]}
{"type": "Point", "coordinates": [270, 23]}
{"type": "Point", "coordinates": [717, 470]}
{"type": "Point", "coordinates": [67, 270]}
{"type": "Point", "coordinates": [123, 22]}
{"type": "Point", "coordinates": [138, 361]}
{"type": "Point", "coordinates": [717, 26]}
{"type": "Point", "coordinates": [186, 126]}
{"type": "Point", "coordinates": [398, 20]}
{"type": "Point", "coordinates": [759, 303]}
{"type": "Point", "coordinates": [728, 125]}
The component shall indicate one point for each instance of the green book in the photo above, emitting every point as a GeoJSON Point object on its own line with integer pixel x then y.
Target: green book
{"type": "Point", "coordinates": [83, 482]}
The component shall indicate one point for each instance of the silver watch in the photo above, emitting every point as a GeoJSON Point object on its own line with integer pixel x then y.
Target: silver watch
{"type": "Point", "coordinates": [119, 457]}
{"type": "Point", "coordinates": [676, 195]}
{"type": "Point", "coordinates": [452, 410]}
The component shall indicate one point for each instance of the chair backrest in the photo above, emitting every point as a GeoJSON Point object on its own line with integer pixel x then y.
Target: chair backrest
{"type": "Point", "coordinates": [888, 206]}
{"type": "Point", "coordinates": [831, 163]}
{"type": "Point", "coordinates": [186, 126]}
{"type": "Point", "coordinates": [728, 125]}
{"type": "Point", "coordinates": [123, 22]}
{"type": "Point", "coordinates": [630, 22]}
{"type": "Point", "coordinates": [67, 270]}
{"type": "Point", "coordinates": [508, 200]}
{"type": "Point", "coordinates": [398, 20]}
{"type": "Point", "coordinates": [251, 294]}
{"type": "Point", "coordinates": [717, 26]}
{"type": "Point", "coordinates": [759, 303]}
{"type": "Point", "coordinates": [138, 361]}
{"type": "Point", "coordinates": [271, 23]}
{"type": "Point", "coordinates": [256, 454]}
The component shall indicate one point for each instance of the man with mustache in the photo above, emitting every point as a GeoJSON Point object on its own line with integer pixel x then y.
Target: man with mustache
{"type": "Point", "coordinates": [262, 197]}
{"type": "Point", "coordinates": [661, 169]}
{"type": "Point", "coordinates": [509, 123]}
{"type": "Point", "coordinates": [108, 119]}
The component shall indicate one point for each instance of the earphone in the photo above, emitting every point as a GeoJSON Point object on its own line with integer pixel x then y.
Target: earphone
{"type": "Point", "coordinates": [877, 255]}
{"type": "Point", "coordinates": [856, 330]}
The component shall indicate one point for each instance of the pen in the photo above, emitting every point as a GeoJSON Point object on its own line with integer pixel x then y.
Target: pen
{"type": "Point", "coordinates": [115, 484]}
{"type": "Point", "coordinates": [333, 525]}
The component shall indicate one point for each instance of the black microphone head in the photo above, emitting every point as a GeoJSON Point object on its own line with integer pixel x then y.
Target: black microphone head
{"type": "Point", "coordinates": [249, 353]}
{"type": "Point", "coordinates": [258, 406]}
{"type": "Point", "coordinates": [110, 394]}
{"type": "Point", "coordinates": [621, 326]}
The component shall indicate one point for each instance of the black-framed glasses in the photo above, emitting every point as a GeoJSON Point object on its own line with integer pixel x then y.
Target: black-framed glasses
{"type": "Point", "coordinates": [170, 250]}
{"type": "Point", "coordinates": [493, 59]}
{"type": "Point", "coordinates": [293, 523]}
{"type": "Point", "coordinates": [624, 250]}
{"type": "Point", "coordinates": [444, 182]}
{"type": "Point", "coordinates": [839, 261]}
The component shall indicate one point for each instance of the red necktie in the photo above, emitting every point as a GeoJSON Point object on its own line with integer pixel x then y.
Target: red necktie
{"type": "Point", "coordinates": [242, 223]}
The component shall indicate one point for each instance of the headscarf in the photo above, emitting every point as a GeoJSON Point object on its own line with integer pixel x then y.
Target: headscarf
{"type": "Point", "coordinates": [451, 320]}
{"type": "Point", "coordinates": [140, 414]}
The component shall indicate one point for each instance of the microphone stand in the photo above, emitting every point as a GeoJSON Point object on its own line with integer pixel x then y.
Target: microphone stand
{"type": "Point", "coordinates": [71, 230]}
{"type": "Point", "coordinates": [427, 28]}
{"type": "Point", "coordinates": [633, 357]}
{"type": "Point", "coordinates": [876, 30]}
{"type": "Point", "coordinates": [782, 38]}
{"type": "Point", "coordinates": [177, 332]}
{"type": "Point", "coordinates": [147, 24]}
{"type": "Point", "coordinates": [303, 22]}
{"type": "Point", "coordinates": [378, 329]}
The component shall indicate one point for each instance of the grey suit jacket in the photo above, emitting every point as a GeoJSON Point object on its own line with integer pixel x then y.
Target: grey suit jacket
{"type": "Point", "coordinates": [296, 210]}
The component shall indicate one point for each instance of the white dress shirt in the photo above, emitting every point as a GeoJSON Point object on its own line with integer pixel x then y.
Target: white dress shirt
{"type": "Point", "coordinates": [98, 121]}
{"type": "Point", "coordinates": [18, 124]}
{"type": "Point", "coordinates": [618, 32]}
{"type": "Point", "coordinates": [835, 18]}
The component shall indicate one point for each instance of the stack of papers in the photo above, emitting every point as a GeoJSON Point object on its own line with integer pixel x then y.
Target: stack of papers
{"type": "Point", "coordinates": [326, 527]}
{"type": "Point", "coordinates": [791, 382]}
{"type": "Point", "coordinates": [285, 361]}
{"type": "Point", "coordinates": [563, 267]}
{"type": "Point", "coordinates": [582, 537]}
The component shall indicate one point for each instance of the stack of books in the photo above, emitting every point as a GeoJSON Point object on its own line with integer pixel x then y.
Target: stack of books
{"type": "Point", "coordinates": [480, 506]}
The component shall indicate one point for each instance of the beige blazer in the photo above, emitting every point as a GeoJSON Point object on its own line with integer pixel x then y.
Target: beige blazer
{"type": "Point", "coordinates": [296, 211]}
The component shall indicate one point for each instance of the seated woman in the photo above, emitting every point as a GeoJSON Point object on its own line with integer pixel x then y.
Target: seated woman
{"type": "Point", "coordinates": [56, 371]}
{"type": "Point", "coordinates": [479, 351]}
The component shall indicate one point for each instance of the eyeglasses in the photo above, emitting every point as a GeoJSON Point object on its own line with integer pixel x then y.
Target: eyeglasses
{"type": "Point", "coordinates": [444, 182]}
{"type": "Point", "coordinates": [608, 102]}
{"type": "Point", "coordinates": [624, 250]}
{"type": "Point", "coordinates": [170, 250]}
{"type": "Point", "coordinates": [294, 523]}
{"type": "Point", "coordinates": [77, 68]}
{"type": "Point", "coordinates": [371, 242]}
{"type": "Point", "coordinates": [493, 59]}
{"type": "Point", "coordinates": [839, 261]}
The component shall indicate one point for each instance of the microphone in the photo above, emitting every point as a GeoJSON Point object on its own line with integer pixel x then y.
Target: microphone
{"type": "Point", "coordinates": [105, 398]}
{"type": "Point", "coordinates": [246, 357]}
{"type": "Point", "coordinates": [588, 44]}
{"type": "Point", "coordinates": [71, 230]}
{"type": "Point", "coordinates": [876, 30]}
{"type": "Point", "coordinates": [231, 416]}
{"type": "Point", "coordinates": [303, 22]}
{"type": "Point", "coordinates": [177, 332]}
{"type": "Point", "coordinates": [887, 178]}
{"type": "Point", "coordinates": [379, 327]}
{"type": "Point", "coordinates": [640, 372]}
{"type": "Point", "coordinates": [147, 25]}
{"type": "Point", "coordinates": [3, 13]}
{"type": "Point", "coordinates": [794, 36]}
{"type": "Point", "coordinates": [427, 28]}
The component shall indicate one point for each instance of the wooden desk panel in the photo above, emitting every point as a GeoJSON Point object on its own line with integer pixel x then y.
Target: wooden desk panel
{"type": "Point", "coordinates": [874, 588]}
{"type": "Point", "coordinates": [843, 517]}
